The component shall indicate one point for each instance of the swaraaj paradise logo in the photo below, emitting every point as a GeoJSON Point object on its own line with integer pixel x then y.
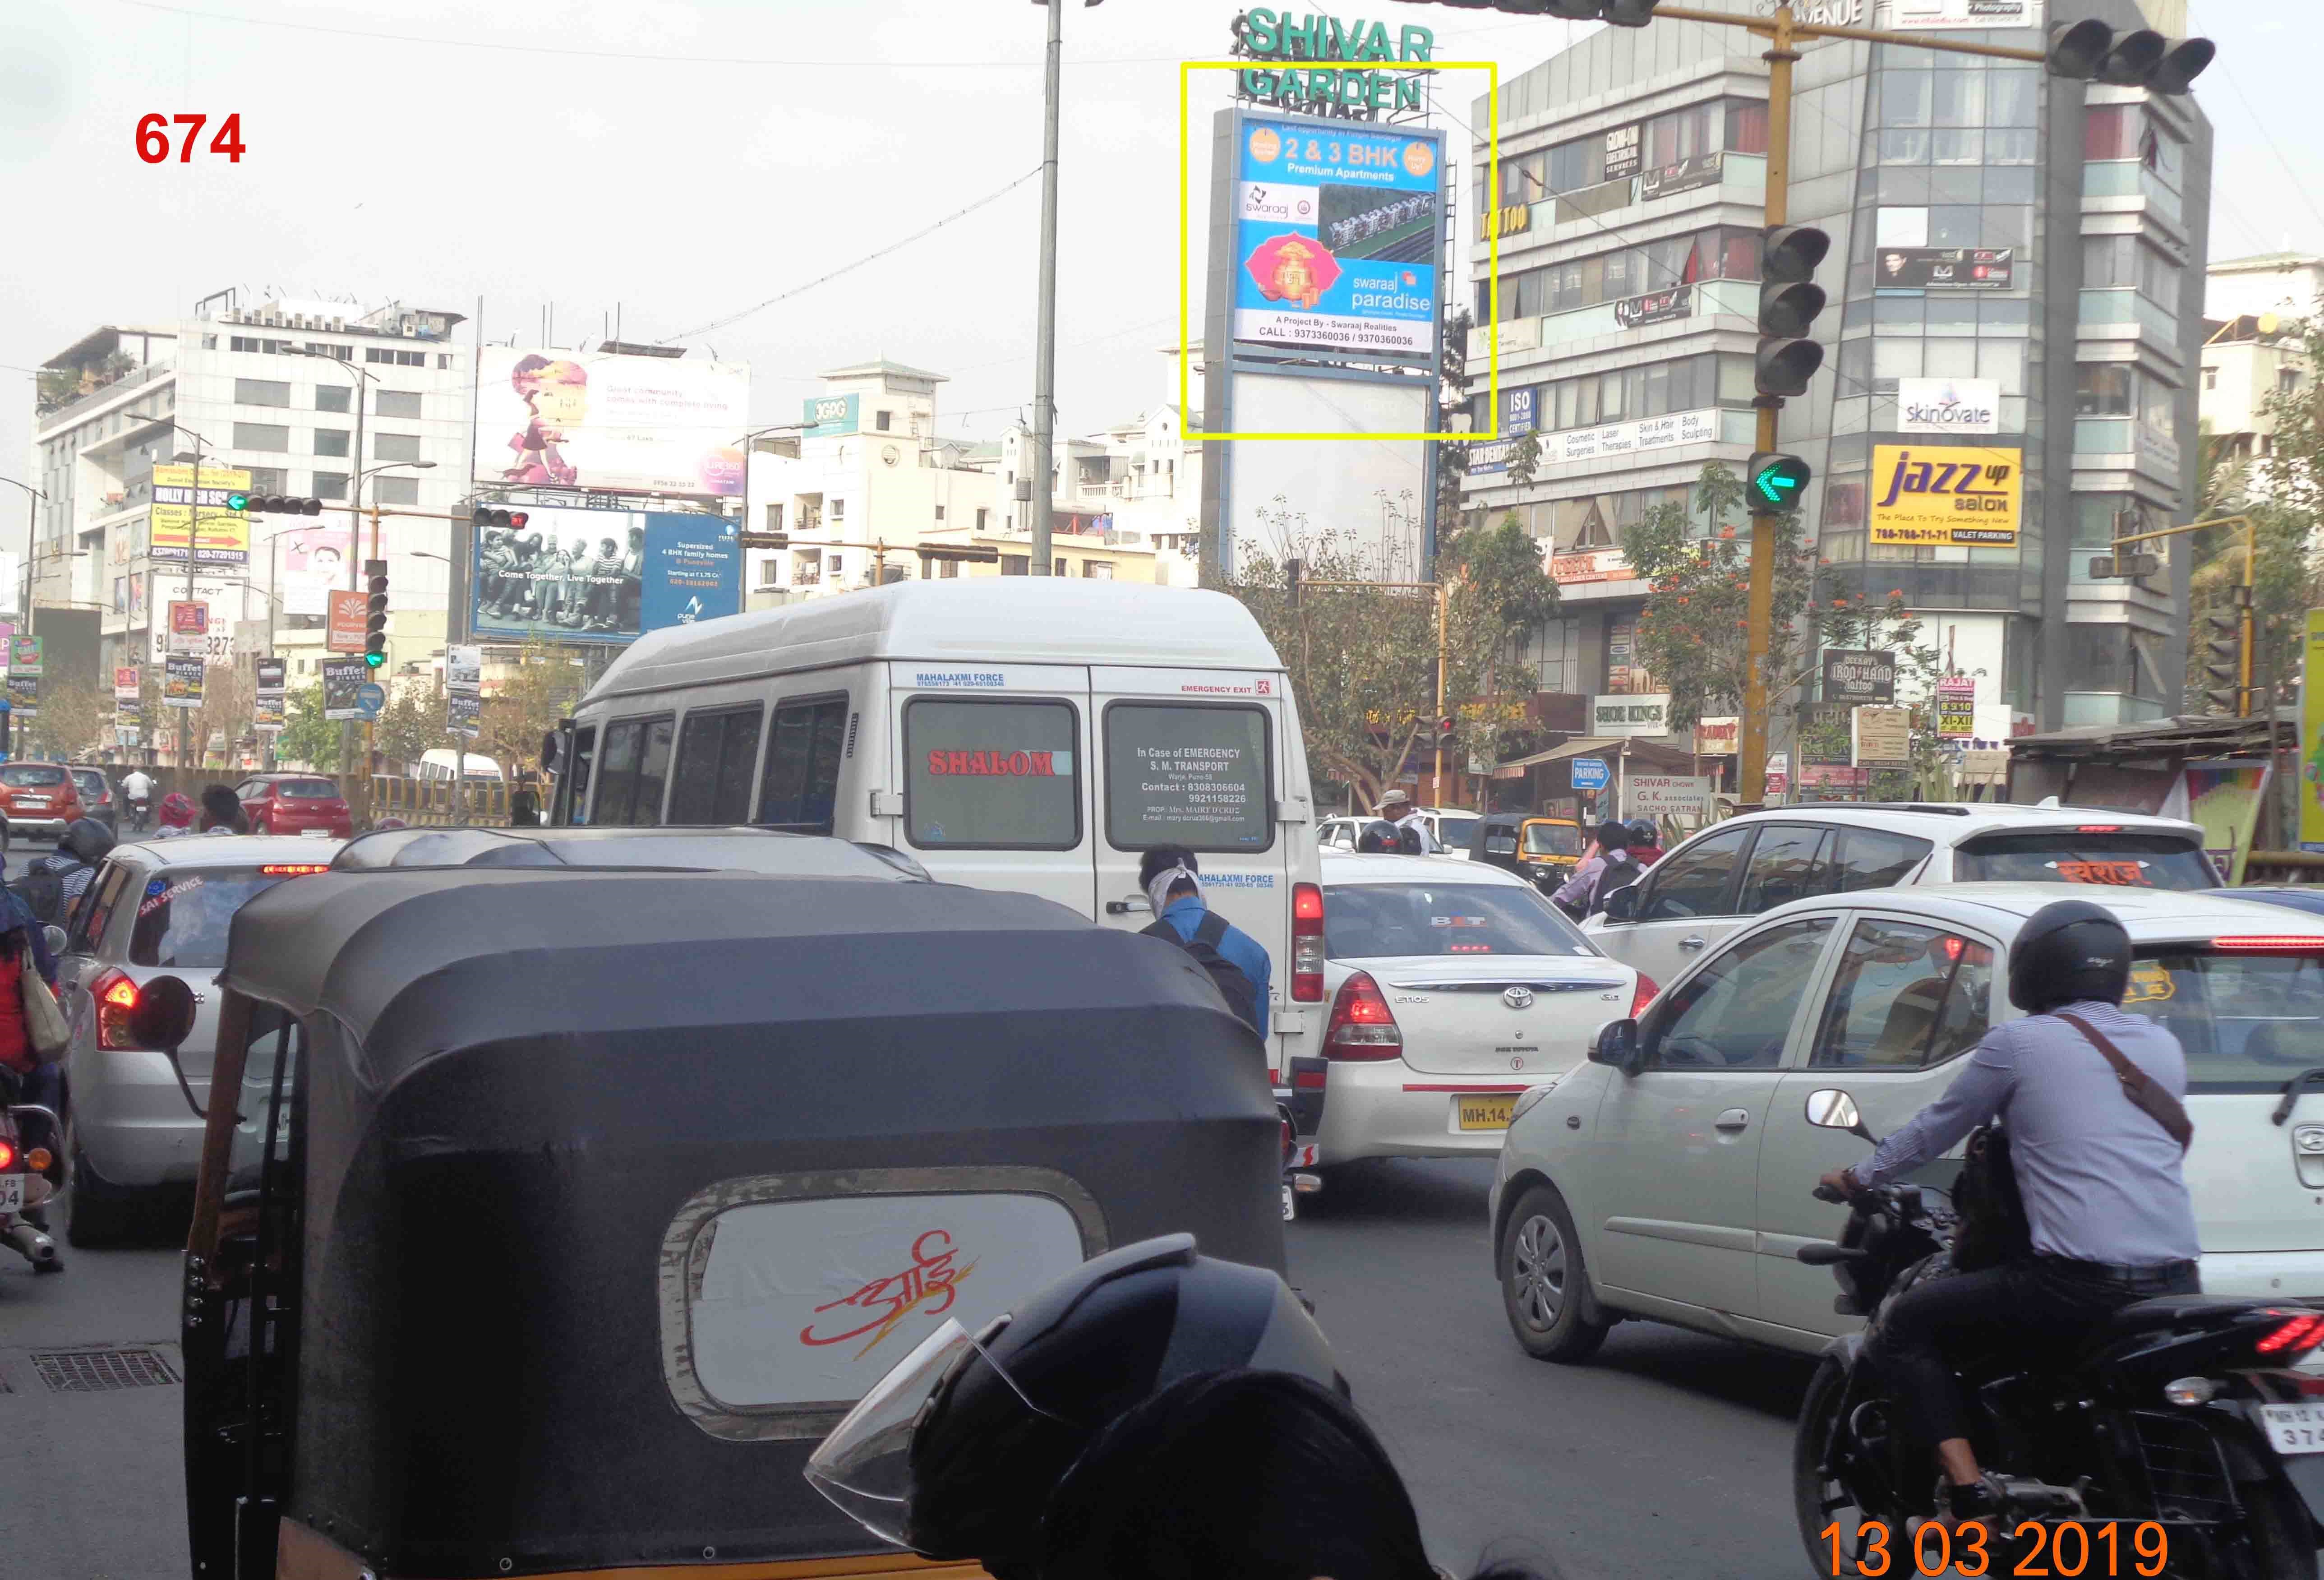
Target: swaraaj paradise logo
{"type": "Point", "coordinates": [1947, 496]}
{"type": "Point", "coordinates": [931, 1283]}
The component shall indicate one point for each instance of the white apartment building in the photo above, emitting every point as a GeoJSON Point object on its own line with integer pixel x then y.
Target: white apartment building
{"type": "Point", "coordinates": [2252, 309]}
{"type": "Point", "coordinates": [277, 387]}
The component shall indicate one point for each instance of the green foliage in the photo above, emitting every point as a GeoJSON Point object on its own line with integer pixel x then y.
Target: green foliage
{"type": "Point", "coordinates": [307, 738]}
{"type": "Point", "coordinates": [542, 689]}
{"type": "Point", "coordinates": [410, 726]}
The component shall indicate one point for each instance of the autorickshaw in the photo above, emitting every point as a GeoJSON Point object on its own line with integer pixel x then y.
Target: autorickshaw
{"type": "Point", "coordinates": [564, 1209]}
{"type": "Point", "coordinates": [1543, 849]}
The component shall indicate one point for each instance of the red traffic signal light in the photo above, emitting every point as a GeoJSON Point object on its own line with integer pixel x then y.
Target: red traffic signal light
{"type": "Point", "coordinates": [1444, 729]}
{"type": "Point", "coordinates": [486, 516]}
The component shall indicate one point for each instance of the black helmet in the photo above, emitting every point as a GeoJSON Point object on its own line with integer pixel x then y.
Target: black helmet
{"type": "Point", "coordinates": [1380, 838]}
{"type": "Point", "coordinates": [88, 839]}
{"type": "Point", "coordinates": [1642, 829]}
{"type": "Point", "coordinates": [2068, 951]}
{"type": "Point", "coordinates": [956, 1452]}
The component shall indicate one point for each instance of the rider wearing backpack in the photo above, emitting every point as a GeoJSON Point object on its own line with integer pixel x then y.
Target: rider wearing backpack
{"type": "Point", "coordinates": [1236, 961]}
{"type": "Point", "coordinates": [1608, 867]}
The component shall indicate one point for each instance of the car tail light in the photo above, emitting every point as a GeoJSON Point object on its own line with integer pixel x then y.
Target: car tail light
{"type": "Point", "coordinates": [2270, 941]}
{"type": "Point", "coordinates": [115, 995]}
{"type": "Point", "coordinates": [2303, 1332]}
{"type": "Point", "coordinates": [2100, 829]}
{"type": "Point", "coordinates": [292, 869]}
{"type": "Point", "coordinates": [7, 1154]}
{"type": "Point", "coordinates": [1306, 944]}
{"type": "Point", "coordinates": [1644, 995]}
{"type": "Point", "coordinates": [1362, 1025]}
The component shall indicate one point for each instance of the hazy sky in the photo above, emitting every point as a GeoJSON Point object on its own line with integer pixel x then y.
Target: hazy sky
{"type": "Point", "coordinates": [688, 159]}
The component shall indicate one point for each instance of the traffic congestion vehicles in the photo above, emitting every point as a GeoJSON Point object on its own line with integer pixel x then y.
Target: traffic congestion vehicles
{"type": "Point", "coordinates": [571, 1206]}
{"type": "Point", "coordinates": [1670, 1177]}
{"type": "Point", "coordinates": [1030, 734]}
{"type": "Point", "coordinates": [38, 800]}
{"type": "Point", "coordinates": [1544, 851]}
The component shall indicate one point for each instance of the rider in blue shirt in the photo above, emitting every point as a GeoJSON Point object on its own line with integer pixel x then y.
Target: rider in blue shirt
{"type": "Point", "coordinates": [1173, 883]}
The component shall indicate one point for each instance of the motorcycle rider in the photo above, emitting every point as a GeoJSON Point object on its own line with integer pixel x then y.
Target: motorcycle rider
{"type": "Point", "coordinates": [2105, 1196]}
{"type": "Point", "coordinates": [137, 789]}
{"type": "Point", "coordinates": [71, 865]}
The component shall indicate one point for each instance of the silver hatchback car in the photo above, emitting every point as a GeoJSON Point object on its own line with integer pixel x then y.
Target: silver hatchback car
{"type": "Point", "coordinates": [152, 909]}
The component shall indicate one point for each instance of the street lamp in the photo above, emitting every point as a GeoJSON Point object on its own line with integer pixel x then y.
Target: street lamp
{"type": "Point", "coordinates": [33, 498]}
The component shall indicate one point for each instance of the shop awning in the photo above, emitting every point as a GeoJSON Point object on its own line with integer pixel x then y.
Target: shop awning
{"type": "Point", "coordinates": [1637, 749]}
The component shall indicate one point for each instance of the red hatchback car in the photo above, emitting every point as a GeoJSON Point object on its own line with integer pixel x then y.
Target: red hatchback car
{"type": "Point", "coordinates": [295, 803]}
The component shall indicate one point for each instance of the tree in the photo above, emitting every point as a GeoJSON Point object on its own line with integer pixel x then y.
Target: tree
{"type": "Point", "coordinates": [543, 689]}
{"type": "Point", "coordinates": [1452, 411]}
{"type": "Point", "coordinates": [74, 719]}
{"type": "Point", "coordinates": [1525, 458]}
{"type": "Point", "coordinates": [410, 726]}
{"type": "Point", "coordinates": [307, 738]}
{"type": "Point", "coordinates": [1694, 632]}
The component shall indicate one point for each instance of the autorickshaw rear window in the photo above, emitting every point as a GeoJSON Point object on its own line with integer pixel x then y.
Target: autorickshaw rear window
{"type": "Point", "coordinates": [1195, 776]}
{"type": "Point", "coordinates": [992, 775]}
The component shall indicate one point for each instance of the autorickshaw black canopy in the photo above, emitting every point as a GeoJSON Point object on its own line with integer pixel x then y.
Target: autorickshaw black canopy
{"type": "Point", "coordinates": [1495, 840]}
{"type": "Point", "coordinates": [567, 1140]}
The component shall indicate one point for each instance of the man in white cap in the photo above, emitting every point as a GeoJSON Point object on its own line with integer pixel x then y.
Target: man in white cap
{"type": "Point", "coordinates": [1396, 806]}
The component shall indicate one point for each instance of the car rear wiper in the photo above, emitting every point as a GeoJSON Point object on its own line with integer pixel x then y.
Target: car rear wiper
{"type": "Point", "coordinates": [2291, 1090]}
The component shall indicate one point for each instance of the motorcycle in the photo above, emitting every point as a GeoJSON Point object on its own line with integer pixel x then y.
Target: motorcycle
{"type": "Point", "coordinates": [2174, 1439]}
{"type": "Point", "coordinates": [141, 814]}
{"type": "Point", "coordinates": [24, 1181]}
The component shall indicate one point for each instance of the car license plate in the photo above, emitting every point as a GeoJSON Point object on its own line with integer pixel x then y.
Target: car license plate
{"type": "Point", "coordinates": [2295, 1428]}
{"type": "Point", "coordinates": [314, 834]}
{"type": "Point", "coordinates": [12, 1193]}
{"type": "Point", "coordinates": [1485, 1111]}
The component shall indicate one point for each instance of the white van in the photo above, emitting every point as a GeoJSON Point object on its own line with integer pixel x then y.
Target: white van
{"type": "Point", "coordinates": [1035, 733]}
{"type": "Point", "coordinates": [444, 765]}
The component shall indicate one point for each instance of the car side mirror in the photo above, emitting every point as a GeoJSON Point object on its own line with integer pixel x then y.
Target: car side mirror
{"type": "Point", "coordinates": [1622, 904]}
{"type": "Point", "coordinates": [1617, 1044]}
{"type": "Point", "coordinates": [1830, 1108]}
{"type": "Point", "coordinates": [53, 937]}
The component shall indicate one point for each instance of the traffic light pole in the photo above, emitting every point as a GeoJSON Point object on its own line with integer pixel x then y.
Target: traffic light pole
{"type": "Point", "coordinates": [1753, 736]}
{"type": "Point", "coordinates": [2246, 618]}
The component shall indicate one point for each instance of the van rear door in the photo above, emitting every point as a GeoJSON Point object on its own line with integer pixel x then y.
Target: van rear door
{"type": "Point", "coordinates": [1195, 758]}
{"type": "Point", "coordinates": [995, 777]}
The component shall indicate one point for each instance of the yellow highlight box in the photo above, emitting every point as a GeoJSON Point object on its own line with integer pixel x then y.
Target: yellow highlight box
{"type": "Point", "coordinates": [1492, 185]}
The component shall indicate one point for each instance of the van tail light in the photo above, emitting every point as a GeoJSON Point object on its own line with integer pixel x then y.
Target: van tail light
{"type": "Point", "coordinates": [1306, 944]}
{"type": "Point", "coordinates": [2270, 941]}
{"type": "Point", "coordinates": [1362, 1025]}
{"type": "Point", "coordinates": [115, 995]}
{"type": "Point", "coordinates": [2294, 1338]}
{"type": "Point", "coordinates": [1644, 995]}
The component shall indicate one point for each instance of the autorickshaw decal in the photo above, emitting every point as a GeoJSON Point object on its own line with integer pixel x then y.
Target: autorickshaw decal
{"type": "Point", "coordinates": [2150, 983]}
{"type": "Point", "coordinates": [931, 1281]}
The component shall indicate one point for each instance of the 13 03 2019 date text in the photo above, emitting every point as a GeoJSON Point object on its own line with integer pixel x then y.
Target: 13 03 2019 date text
{"type": "Point", "coordinates": [153, 132]}
{"type": "Point", "coordinates": [2069, 1548]}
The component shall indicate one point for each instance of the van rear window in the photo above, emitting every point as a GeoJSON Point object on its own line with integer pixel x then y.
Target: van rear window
{"type": "Point", "coordinates": [2249, 1022]}
{"type": "Point", "coordinates": [1195, 776]}
{"type": "Point", "coordinates": [2073, 855]}
{"type": "Point", "coordinates": [992, 775]}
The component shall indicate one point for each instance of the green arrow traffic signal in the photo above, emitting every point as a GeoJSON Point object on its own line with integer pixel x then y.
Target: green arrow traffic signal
{"type": "Point", "coordinates": [1775, 483]}
{"type": "Point", "coordinates": [237, 502]}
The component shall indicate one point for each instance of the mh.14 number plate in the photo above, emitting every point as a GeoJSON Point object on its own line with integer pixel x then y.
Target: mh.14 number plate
{"type": "Point", "coordinates": [12, 1193]}
{"type": "Point", "coordinates": [1484, 1110]}
{"type": "Point", "coordinates": [2295, 1428]}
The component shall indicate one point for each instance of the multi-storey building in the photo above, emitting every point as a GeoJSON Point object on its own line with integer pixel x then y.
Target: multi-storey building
{"type": "Point", "coordinates": [277, 388]}
{"type": "Point", "coordinates": [2254, 309]}
{"type": "Point", "coordinates": [2025, 253]}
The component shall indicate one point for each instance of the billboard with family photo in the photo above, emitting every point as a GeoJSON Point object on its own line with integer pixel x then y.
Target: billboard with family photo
{"type": "Point", "coordinates": [610, 576]}
{"type": "Point", "coordinates": [552, 419]}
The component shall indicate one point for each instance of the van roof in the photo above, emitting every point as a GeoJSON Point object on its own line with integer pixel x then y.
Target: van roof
{"type": "Point", "coordinates": [986, 620]}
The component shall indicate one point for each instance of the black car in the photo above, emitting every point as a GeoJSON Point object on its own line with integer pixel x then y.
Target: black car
{"type": "Point", "coordinates": [99, 799]}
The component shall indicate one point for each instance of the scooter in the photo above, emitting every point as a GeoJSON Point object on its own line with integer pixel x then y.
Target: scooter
{"type": "Point", "coordinates": [141, 815]}
{"type": "Point", "coordinates": [2177, 1430]}
{"type": "Point", "coordinates": [25, 1186]}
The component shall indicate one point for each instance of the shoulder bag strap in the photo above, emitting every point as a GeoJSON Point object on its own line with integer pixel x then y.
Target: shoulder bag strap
{"type": "Point", "coordinates": [2138, 1086]}
{"type": "Point", "coordinates": [1211, 929]}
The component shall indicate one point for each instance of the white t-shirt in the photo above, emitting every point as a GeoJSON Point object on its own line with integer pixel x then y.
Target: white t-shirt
{"type": "Point", "coordinates": [137, 786]}
{"type": "Point", "coordinates": [1413, 821]}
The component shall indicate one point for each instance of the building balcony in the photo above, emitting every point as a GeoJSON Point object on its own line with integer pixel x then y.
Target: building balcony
{"type": "Point", "coordinates": [74, 411]}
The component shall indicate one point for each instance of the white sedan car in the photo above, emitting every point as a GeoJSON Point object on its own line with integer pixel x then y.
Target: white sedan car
{"type": "Point", "coordinates": [1671, 1178]}
{"type": "Point", "coordinates": [1454, 987]}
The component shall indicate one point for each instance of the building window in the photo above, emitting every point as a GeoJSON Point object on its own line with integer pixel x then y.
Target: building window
{"type": "Point", "coordinates": [1097, 569]}
{"type": "Point", "coordinates": [2211, 378]}
{"type": "Point", "coordinates": [390, 490]}
{"type": "Point", "coordinates": [394, 358]}
{"type": "Point", "coordinates": [774, 518]}
{"type": "Point", "coordinates": [269, 480]}
{"type": "Point", "coordinates": [939, 512]}
{"type": "Point", "coordinates": [262, 392]}
{"type": "Point", "coordinates": [394, 447]}
{"type": "Point", "coordinates": [331, 441]}
{"type": "Point", "coordinates": [340, 352]}
{"type": "Point", "coordinates": [397, 404]}
{"type": "Point", "coordinates": [1057, 565]}
{"type": "Point", "coordinates": [2287, 379]}
{"type": "Point", "coordinates": [330, 485]}
{"type": "Point", "coordinates": [332, 398]}
{"type": "Point", "coordinates": [1016, 565]}
{"type": "Point", "coordinates": [770, 573]}
{"type": "Point", "coordinates": [2102, 389]}
{"type": "Point", "coordinates": [267, 347]}
{"type": "Point", "coordinates": [262, 435]}
{"type": "Point", "coordinates": [443, 359]}
{"type": "Point", "coordinates": [983, 515]}
{"type": "Point", "coordinates": [838, 511]}
{"type": "Point", "coordinates": [880, 421]}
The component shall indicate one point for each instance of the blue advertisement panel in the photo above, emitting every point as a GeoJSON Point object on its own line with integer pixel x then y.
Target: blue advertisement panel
{"type": "Point", "coordinates": [569, 574]}
{"type": "Point", "coordinates": [1338, 230]}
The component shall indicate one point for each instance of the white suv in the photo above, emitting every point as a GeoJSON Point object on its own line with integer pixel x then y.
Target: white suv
{"type": "Point", "coordinates": [1712, 884]}
{"type": "Point", "coordinates": [1676, 1184]}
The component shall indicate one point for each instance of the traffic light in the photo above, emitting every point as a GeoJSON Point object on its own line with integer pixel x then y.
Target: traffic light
{"type": "Point", "coordinates": [1293, 569]}
{"type": "Point", "coordinates": [1776, 482]}
{"type": "Point", "coordinates": [237, 500]}
{"type": "Point", "coordinates": [279, 504]}
{"type": "Point", "coordinates": [1789, 302]}
{"type": "Point", "coordinates": [2222, 662]}
{"type": "Point", "coordinates": [2090, 52]}
{"type": "Point", "coordinates": [1444, 729]}
{"type": "Point", "coordinates": [486, 516]}
{"type": "Point", "coordinates": [375, 616]}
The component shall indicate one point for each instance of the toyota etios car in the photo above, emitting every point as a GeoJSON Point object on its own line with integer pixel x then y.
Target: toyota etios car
{"type": "Point", "coordinates": [1674, 1183]}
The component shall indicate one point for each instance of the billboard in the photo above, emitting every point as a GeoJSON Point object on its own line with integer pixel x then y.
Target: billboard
{"type": "Point", "coordinates": [1946, 405]}
{"type": "Point", "coordinates": [1375, 501]}
{"type": "Point", "coordinates": [181, 680]}
{"type": "Point", "coordinates": [829, 416]}
{"type": "Point", "coordinates": [25, 655]}
{"type": "Point", "coordinates": [219, 536]}
{"type": "Point", "coordinates": [1337, 232]}
{"type": "Point", "coordinates": [189, 626]}
{"type": "Point", "coordinates": [610, 576]}
{"type": "Point", "coordinates": [618, 424]}
{"type": "Point", "coordinates": [1916, 15]}
{"type": "Point", "coordinates": [342, 679]}
{"type": "Point", "coordinates": [24, 696]}
{"type": "Point", "coordinates": [1957, 496]}
{"type": "Point", "coordinates": [1944, 269]}
{"type": "Point", "coordinates": [308, 562]}
{"type": "Point", "coordinates": [272, 675]}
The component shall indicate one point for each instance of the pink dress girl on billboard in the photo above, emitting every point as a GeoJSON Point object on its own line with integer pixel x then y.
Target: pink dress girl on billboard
{"type": "Point", "coordinates": [556, 393]}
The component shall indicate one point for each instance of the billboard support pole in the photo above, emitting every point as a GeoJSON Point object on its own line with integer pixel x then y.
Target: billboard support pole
{"type": "Point", "coordinates": [193, 533]}
{"type": "Point", "coordinates": [1045, 353]}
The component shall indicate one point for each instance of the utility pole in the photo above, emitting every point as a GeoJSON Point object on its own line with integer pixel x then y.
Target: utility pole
{"type": "Point", "coordinates": [193, 534]}
{"type": "Point", "coordinates": [1045, 351]}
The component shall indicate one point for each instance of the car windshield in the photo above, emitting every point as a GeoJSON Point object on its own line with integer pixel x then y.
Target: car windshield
{"type": "Point", "coordinates": [1367, 921]}
{"type": "Point", "coordinates": [307, 789]}
{"type": "Point", "coordinates": [2084, 855]}
{"type": "Point", "coordinates": [1552, 839]}
{"type": "Point", "coordinates": [30, 776]}
{"type": "Point", "coordinates": [184, 915]}
{"type": "Point", "coordinates": [2249, 1022]}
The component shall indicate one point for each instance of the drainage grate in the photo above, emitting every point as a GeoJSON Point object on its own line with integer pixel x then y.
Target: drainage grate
{"type": "Point", "coordinates": [101, 1371]}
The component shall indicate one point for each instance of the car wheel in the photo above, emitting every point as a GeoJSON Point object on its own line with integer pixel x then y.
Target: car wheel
{"type": "Point", "coordinates": [258, 824]}
{"type": "Point", "coordinates": [1544, 1281]}
{"type": "Point", "coordinates": [98, 1214]}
